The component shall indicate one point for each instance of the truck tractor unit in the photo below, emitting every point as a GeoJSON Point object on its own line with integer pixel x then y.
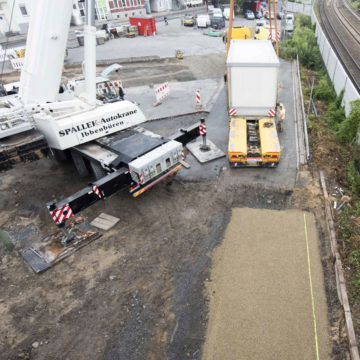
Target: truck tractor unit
{"type": "Point", "coordinates": [252, 95]}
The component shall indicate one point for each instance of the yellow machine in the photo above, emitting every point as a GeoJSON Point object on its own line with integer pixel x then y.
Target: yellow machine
{"type": "Point", "coordinates": [238, 32]}
{"type": "Point", "coordinates": [253, 143]}
{"type": "Point", "coordinates": [262, 33]}
{"type": "Point", "coordinates": [179, 54]}
{"type": "Point", "coordinates": [20, 53]}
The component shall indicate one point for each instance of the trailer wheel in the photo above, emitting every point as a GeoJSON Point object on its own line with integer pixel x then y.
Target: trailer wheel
{"type": "Point", "coordinates": [80, 164]}
{"type": "Point", "coordinates": [97, 170]}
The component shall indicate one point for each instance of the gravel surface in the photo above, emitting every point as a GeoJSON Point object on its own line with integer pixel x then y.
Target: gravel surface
{"type": "Point", "coordinates": [260, 305]}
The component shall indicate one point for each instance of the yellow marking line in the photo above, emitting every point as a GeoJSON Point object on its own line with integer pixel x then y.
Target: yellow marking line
{"type": "Point", "coordinates": [311, 290]}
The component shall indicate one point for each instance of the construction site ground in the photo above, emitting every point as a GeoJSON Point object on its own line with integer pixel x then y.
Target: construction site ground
{"type": "Point", "coordinates": [142, 290]}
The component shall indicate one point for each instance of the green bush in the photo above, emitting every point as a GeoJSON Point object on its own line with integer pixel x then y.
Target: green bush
{"type": "Point", "coordinates": [324, 90]}
{"type": "Point", "coordinates": [304, 41]}
{"type": "Point", "coordinates": [355, 5]}
{"type": "Point", "coordinates": [302, 20]}
{"type": "Point", "coordinates": [354, 260]}
{"type": "Point", "coordinates": [353, 177]}
{"type": "Point", "coordinates": [287, 53]}
{"type": "Point", "coordinates": [349, 128]}
{"type": "Point", "coordinates": [336, 113]}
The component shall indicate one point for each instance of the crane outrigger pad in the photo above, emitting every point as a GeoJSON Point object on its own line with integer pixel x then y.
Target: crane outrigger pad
{"type": "Point", "coordinates": [204, 156]}
{"type": "Point", "coordinates": [47, 252]}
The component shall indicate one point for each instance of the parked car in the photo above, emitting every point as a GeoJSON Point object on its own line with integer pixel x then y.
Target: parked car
{"type": "Point", "coordinates": [226, 13]}
{"type": "Point", "coordinates": [289, 22]}
{"type": "Point", "coordinates": [249, 15]}
{"type": "Point", "coordinates": [260, 24]}
{"type": "Point", "coordinates": [189, 20]}
{"type": "Point", "coordinates": [203, 21]}
{"type": "Point", "coordinates": [289, 17]}
{"type": "Point", "coordinates": [217, 23]}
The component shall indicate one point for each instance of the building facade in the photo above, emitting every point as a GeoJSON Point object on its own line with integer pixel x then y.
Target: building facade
{"type": "Point", "coordinates": [102, 11]}
{"type": "Point", "coordinates": [123, 9]}
{"type": "Point", "coordinates": [18, 13]}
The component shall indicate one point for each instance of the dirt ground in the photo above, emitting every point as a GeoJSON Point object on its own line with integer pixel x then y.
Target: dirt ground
{"type": "Point", "coordinates": [139, 291]}
{"type": "Point", "coordinates": [156, 71]}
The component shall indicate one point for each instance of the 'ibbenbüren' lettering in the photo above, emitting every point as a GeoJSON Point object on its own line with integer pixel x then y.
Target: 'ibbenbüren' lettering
{"type": "Point", "coordinates": [90, 124]}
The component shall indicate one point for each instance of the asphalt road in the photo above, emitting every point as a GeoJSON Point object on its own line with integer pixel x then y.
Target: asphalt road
{"type": "Point", "coordinates": [217, 125]}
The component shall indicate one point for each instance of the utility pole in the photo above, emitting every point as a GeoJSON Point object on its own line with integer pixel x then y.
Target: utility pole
{"type": "Point", "coordinates": [276, 29]}
{"type": "Point", "coordinates": [230, 27]}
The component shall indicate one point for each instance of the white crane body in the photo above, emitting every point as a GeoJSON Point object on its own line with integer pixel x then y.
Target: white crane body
{"type": "Point", "coordinates": [84, 124]}
{"type": "Point", "coordinates": [91, 125]}
{"type": "Point", "coordinates": [45, 50]}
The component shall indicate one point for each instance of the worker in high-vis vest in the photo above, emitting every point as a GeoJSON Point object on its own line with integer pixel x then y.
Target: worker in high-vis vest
{"type": "Point", "coordinates": [281, 116]}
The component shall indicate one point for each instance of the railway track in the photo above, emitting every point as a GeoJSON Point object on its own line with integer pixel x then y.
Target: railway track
{"type": "Point", "coordinates": [343, 32]}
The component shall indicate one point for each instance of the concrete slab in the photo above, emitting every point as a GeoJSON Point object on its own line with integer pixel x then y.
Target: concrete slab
{"type": "Point", "coordinates": [204, 156]}
{"type": "Point", "coordinates": [180, 101]}
{"type": "Point", "coordinates": [105, 221]}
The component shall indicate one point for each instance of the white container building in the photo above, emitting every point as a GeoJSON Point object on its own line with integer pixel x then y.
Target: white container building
{"type": "Point", "coordinates": [252, 77]}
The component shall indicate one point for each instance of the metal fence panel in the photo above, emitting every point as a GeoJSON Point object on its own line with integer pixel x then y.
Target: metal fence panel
{"type": "Point", "coordinates": [332, 64]}
{"type": "Point", "coordinates": [350, 95]}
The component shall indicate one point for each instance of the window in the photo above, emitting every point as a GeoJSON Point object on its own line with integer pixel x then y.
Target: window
{"type": "Point", "coordinates": [123, 3]}
{"type": "Point", "coordinates": [131, 3]}
{"type": "Point", "coordinates": [168, 162]}
{"type": "Point", "coordinates": [74, 6]}
{"type": "Point", "coordinates": [116, 3]}
{"type": "Point", "coordinates": [23, 10]}
{"type": "Point", "coordinates": [82, 8]}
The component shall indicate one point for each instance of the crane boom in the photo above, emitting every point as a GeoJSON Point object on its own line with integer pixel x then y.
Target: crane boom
{"type": "Point", "coordinates": [45, 50]}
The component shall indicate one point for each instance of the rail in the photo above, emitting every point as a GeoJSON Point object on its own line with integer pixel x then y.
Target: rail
{"type": "Point", "coordinates": [338, 44]}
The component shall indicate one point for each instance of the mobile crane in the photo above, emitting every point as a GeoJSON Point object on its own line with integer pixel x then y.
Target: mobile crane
{"type": "Point", "coordinates": [97, 133]}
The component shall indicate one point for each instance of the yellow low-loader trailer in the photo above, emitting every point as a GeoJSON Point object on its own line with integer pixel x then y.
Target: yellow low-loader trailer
{"type": "Point", "coordinates": [252, 82]}
{"type": "Point", "coordinates": [253, 143]}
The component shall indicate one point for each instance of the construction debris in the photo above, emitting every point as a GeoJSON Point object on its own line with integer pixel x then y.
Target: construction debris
{"type": "Point", "coordinates": [51, 249]}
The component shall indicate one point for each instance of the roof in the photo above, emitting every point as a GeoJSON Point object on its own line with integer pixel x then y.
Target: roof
{"type": "Point", "coordinates": [268, 136]}
{"type": "Point", "coordinates": [238, 136]}
{"type": "Point", "coordinates": [252, 53]}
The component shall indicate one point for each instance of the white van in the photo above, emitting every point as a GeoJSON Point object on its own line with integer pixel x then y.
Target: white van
{"type": "Point", "coordinates": [289, 18]}
{"type": "Point", "coordinates": [203, 21]}
{"type": "Point", "coordinates": [217, 13]}
{"type": "Point", "coordinates": [289, 22]}
{"type": "Point", "coordinates": [227, 13]}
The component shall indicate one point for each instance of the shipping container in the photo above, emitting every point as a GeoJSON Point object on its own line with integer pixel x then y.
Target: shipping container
{"type": "Point", "coordinates": [252, 77]}
{"type": "Point", "coordinates": [145, 24]}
